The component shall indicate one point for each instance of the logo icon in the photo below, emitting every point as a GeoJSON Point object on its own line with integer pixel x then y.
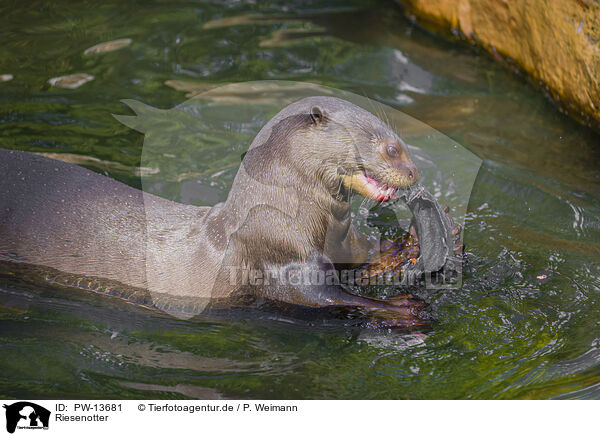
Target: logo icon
{"type": "Point", "coordinates": [26, 415]}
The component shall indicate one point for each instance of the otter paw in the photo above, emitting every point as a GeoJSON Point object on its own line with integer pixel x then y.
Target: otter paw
{"type": "Point", "coordinates": [393, 255]}
{"type": "Point", "coordinates": [401, 312]}
{"type": "Point", "coordinates": [405, 300]}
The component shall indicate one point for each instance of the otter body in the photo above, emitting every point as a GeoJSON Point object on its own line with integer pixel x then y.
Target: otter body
{"type": "Point", "coordinates": [288, 206]}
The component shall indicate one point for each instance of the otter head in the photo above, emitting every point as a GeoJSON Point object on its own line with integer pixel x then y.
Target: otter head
{"type": "Point", "coordinates": [354, 147]}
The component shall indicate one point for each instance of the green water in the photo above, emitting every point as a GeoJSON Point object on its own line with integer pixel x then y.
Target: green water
{"type": "Point", "coordinates": [509, 333]}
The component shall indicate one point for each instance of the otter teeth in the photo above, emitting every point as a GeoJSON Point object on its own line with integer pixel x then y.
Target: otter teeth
{"type": "Point", "coordinates": [384, 191]}
{"type": "Point", "coordinates": [387, 191]}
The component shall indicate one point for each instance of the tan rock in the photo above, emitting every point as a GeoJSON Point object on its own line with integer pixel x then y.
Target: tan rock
{"type": "Point", "coordinates": [557, 42]}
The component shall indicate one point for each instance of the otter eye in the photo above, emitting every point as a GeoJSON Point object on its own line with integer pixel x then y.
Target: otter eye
{"type": "Point", "coordinates": [393, 151]}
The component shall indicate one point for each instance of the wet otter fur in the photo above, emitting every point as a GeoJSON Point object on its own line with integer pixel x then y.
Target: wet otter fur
{"type": "Point", "coordinates": [288, 209]}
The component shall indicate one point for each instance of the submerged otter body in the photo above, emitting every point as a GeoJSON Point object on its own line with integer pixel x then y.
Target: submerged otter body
{"type": "Point", "coordinates": [288, 207]}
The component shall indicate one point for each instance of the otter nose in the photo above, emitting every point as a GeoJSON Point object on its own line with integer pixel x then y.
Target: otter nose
{"type": "Point", "coordinates": [409, 169]}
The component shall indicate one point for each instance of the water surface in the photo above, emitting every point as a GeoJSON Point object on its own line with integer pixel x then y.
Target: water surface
{"type": "Point", "coordinates": [526, 323]}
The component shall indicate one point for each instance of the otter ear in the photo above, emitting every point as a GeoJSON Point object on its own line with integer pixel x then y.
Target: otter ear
{"type": "Point", "coordinates": [316, 115]}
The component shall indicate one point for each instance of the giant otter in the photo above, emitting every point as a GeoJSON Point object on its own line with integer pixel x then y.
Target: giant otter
{"type": "Point", "coordinates": [288, 211]}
